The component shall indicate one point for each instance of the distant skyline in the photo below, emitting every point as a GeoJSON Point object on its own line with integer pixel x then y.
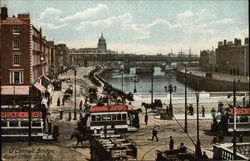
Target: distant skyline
{"type": "Point", "coordinates": [142, 27]}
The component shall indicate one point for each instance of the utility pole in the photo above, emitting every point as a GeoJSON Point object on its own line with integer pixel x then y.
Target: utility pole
{"type": "Point", "coordinates": [234, 132]}
{"type": "Point", "coordinates": [185, 128]}
{"type": "Point", "coordinates": [75, 97]}
{"type": "Point", "coordinates": [198, 144]}
{"type": "Point", "coordinates": [29, 113]}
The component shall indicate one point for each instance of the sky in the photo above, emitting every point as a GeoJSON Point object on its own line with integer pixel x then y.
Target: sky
{"type": "Point", "coordinates": [141, 27]}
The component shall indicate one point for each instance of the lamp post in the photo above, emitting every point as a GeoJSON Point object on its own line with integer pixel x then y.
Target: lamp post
{"type": "Point", "coordinates": [122, 71]}
{"type": "Point", "coordinates": [170, 89]}
{"type": "Point", "coordinates": [135, 79]}
{"type": "Point", "coordinates": [198, 144]}
{"type": "Point", "coordinates": [75, 96]}
{"type": "Point", "coordinates": [234, 130]}
{"type": "Point", "coordinates": [185, 127]}
{"type": "Point", "coordinates": [29, 114]}
{"type": "Point", "coordinates": [152, 84]}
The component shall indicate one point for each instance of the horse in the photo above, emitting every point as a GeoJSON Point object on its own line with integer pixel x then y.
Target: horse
{"type": "Point", "coordinates": [147, 106]}
{"type": "Point", "coordinates": [79, 137]}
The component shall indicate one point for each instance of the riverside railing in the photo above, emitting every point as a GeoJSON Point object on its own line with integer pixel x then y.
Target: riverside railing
{"type": "Point", "coordinates": [181, 95]}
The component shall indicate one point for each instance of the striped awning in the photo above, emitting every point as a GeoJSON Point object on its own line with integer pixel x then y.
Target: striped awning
{"type": "Point", "coordinates": [15, 90]}
{"type": "Point", "coordinates": [40, 87]}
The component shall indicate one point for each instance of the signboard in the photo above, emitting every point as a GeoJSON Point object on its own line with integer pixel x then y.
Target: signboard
{"type": "Point", "coordinates": [20, 114]}
{"type": "Point", "coordinates": [239, 111]}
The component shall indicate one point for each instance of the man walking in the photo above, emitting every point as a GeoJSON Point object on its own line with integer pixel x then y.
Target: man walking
{"type": "Point", "coordinates": [146, 119]}
{"type": "Point", "coordinates": [171, 143]}
{"type": "Point", "coordinates": [154, 133]}
{"type": "Point", "coordinates": [203, 111]}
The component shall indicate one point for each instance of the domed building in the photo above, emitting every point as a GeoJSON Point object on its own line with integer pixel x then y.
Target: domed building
{"type": "Point", "coordinates": [102, 43]}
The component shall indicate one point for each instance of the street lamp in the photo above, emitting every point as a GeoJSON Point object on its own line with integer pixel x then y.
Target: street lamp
{"type": "Point", "coordinates": [170, 89]}
{"type": "Point", "coordinates": [122, 71]}
{"type": "Point", "coordinates": [75, 96]}
{"type": "Point", "coordinates": [198, 144]}
{"type": "Point", "coordinates": [185, 128]}
{"type": "Point", "coordinates": [135, 79]}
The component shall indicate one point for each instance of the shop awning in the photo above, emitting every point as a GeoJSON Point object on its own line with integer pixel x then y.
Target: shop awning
{"type": "Point", "coordinates": [39, 87]}
{"type": "Point", "coordinates": [15, 90]}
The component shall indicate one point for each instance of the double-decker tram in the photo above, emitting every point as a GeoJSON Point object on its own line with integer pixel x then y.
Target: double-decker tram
{"type": "Point", "coordinates": [16, 124]}
{"type": "Point", "coordinates": [117, 117]}
{"type": "Point", "coordinates": [242, 119]}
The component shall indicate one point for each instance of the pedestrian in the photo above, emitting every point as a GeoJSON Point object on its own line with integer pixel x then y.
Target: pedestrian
{"type": "Point", "coordinates": [204, 156]}
{"type": "Point", "coordinates": [171, 143]}
{"type": "Point", "coordinates": [61, 114]}
{"type": "Point", "coordinates": [63, 99]}
{"type": "Point", "coordinates": [182, 148]}
{"type": "Point", "coordinates": [215, 140]}
{"type": "Point", "coordinates": [213, 111]}
{"type": "Point", "coordinates": [58, 101]}
{"type": "Point", "coordinates": [146, 119]}
{"type": "Point", "coordinates": [154, 134]}
{"type": "Point", "coordinates": [240, 139]}
{"type": "Point", "coordinates": [80, 105]}
{"type": "Point", "coordinates": [203, 111]}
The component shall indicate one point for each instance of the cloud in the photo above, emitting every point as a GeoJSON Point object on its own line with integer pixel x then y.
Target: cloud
{"type": "Point", "coordinates": [86, 13]}
{"type": "Point", "coordinates": [185, 14]}
{"type": "Point", "coordinates": [50, 12]}
{"type": "Point", "coordinates": [224, 21]}
{"type": "Point", "coordinates": [51, 26]}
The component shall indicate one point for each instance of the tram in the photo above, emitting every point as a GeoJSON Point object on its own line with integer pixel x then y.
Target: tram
{"type": "Point", "coordinates": [242, 119]}
{"type": "Point", "coordinates": [117, 117]}
{"type": "Point", "coordinates": [16, 124]}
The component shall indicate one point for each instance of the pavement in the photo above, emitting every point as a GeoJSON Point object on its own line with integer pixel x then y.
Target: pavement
{"type": "Point", "coordinates": [64, 148]}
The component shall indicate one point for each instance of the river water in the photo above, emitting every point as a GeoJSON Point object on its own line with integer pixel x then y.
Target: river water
{"type": "Point", "coordinates": [160, 79]}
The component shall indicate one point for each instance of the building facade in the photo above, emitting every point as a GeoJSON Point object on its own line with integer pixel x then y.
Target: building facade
{"type": "Point", "coordinates": [233, 57]}
{"type": "Point", "coordinates": [208, 60]}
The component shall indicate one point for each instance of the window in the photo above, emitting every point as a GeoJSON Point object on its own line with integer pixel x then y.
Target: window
{"type": "Point", "coordinates": [16, 77]}
{"type": "Point", "coordinates": [13, 123]}
{"type": "Point", "coordinates": [103, 117]}
{"type": "Point", "coordinates": [3, 123]}
{"type": "Point", "coordinates": [16, 60]}
{"type": "Point", "coordinates": [114, 117]}
{"type": "Point", "coordinates": [119, 117]}
{"type": "Point", "coordinates": [16, 31]}
{"type": "Point", "coordinates": [24, 123]}
{"type": "Point", "coordinates": [16, 44]}
{"type": "Point", "coordinates": [93, 118]}
{"type": "Point", "coordinates": [36, 123]}
{"type": "Point", "coordinates": [98, 117]}
{"type": "Point", "coordinates": [124, 116]}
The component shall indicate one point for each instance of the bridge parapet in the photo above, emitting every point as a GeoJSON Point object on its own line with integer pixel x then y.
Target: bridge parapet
{"type": "Point", "coordinates": [225, 152]}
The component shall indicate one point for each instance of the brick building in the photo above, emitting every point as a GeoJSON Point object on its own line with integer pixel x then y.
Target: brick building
{"type": "Point", "coordinates": [27, 58]}
{"type": "Point", "coordinates": [233, 57]}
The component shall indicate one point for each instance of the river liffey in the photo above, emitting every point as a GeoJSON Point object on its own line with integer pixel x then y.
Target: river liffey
{"type": "Point", "coordinates": [160, 79]}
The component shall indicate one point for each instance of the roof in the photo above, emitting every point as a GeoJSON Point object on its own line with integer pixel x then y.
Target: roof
{"type": "Point", "coordinates": [112, 108]}
{"type": "Point", "coordinates": [15, 90]}
{"type": "Point", "coordinates": [14, 21]}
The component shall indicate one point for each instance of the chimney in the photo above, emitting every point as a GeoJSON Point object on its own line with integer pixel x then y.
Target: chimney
{"type": "Point", "coordinates": [225, 42]}
{"type": "Point", "coordinates": [246, 41]}
{"type": "Point", "coordinates": [24, 17]}
{"type": "Point", "coordinates": [4, 13]}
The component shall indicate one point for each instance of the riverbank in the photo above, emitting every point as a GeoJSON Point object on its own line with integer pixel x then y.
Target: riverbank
{"type": "Point", "coordinates": [219, 82]}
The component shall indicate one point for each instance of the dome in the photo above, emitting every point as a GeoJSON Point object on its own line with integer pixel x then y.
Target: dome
{"type": "Point", "coordinates": [102, 40]}
{"type": "Point", "coordinates": [102, 43]}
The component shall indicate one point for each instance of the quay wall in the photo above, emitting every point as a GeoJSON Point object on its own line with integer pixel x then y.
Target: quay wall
{"type": "Point", "coordinates": [210, 84]}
